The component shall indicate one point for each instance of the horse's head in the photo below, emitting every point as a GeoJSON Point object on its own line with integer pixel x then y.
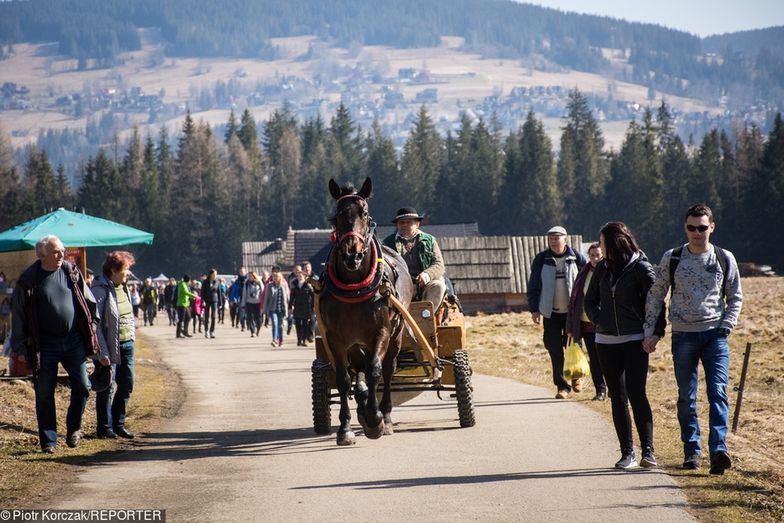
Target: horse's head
{"type": "Point", "coordinates": [352, 222]}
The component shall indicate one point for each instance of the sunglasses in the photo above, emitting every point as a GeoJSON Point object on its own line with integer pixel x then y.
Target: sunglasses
{"type": "Point", "coordinates": [695, 228]}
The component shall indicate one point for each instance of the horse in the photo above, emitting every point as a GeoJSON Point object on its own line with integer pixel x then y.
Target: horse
{"type": "Point", "coordinates": [358, 325]}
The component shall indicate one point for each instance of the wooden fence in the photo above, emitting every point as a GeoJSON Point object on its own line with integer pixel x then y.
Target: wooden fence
{"type": "Point", "coordinates": [493, 264]}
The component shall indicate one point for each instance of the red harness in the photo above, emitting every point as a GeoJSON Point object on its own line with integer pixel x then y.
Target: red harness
{"type": "Point", "coordinates": [360, 291]}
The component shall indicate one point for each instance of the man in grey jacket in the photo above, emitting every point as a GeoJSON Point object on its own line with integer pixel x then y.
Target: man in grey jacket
{"type": "Point", "coordinates": [705, 303]}
{"type": "Point", "coordinates": [553, 272]}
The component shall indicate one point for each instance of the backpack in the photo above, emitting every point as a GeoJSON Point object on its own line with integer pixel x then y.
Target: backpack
{"type": "Point", "coordinates": [721, 257]}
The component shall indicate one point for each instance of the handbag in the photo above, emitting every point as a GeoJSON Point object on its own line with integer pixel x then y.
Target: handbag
{"type": "Point", "coordinates": [575, 363]}
{"type": "Point", "coordinates": [84, 321]}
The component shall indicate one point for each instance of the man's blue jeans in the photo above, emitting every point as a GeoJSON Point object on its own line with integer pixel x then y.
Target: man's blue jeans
{"type": "Point", "coordinates": [112, 417]}
{"type": "Point", "coordinates": [68, 350]}
{"type": "Point", "coordinates": [688, 348]}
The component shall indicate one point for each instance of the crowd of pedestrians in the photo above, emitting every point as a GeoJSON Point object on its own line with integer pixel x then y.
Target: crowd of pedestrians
{"type": "Point", "coordinates": [253, 300]}
{"type": "Point", "coordinates": [614, 303]}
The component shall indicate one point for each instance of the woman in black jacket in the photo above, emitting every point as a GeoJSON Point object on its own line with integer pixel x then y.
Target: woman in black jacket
{"type": "Point", "coordinates": [615, 303]}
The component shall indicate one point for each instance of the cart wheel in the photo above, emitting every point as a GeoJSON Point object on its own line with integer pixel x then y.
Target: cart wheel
{"type": "Point", "coordinates": [463, 389]}
{"type": "Point", "coordinates": [322, 422]}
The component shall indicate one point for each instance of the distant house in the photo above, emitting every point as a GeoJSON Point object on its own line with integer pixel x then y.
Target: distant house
{"type": "Point", "coordinates": [429, 95]}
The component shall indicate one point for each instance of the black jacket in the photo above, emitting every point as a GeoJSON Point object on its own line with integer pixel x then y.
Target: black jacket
{"type": "Point", "coordinates": [617, 307]}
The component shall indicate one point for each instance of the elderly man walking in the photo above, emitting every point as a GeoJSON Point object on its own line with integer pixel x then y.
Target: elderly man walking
{"type": "Point", "coordinates": [553, 272]}
{"type": "Point", "coordinates": [54, 321]}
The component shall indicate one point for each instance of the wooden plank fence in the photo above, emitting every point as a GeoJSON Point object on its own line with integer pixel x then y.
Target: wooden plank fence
{"type": "Point", "coordinates": [493, 264]}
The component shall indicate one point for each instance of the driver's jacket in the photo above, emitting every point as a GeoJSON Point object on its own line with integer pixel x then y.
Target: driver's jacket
{"type": "Point", "coordinates": [426, 251]}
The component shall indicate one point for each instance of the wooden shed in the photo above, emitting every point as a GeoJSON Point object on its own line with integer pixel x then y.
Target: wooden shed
{"type": "Point", "coordinates": [490, 273]}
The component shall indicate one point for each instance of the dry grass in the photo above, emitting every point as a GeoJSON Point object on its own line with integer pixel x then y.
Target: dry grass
{"type": "Point", "coordinates": [510, 345]}
{"type": "Point", "coordinates": [29, 476]}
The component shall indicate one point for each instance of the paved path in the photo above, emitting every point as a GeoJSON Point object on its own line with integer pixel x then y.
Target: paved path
{"type": "Point", "coordinates": [242, 449]}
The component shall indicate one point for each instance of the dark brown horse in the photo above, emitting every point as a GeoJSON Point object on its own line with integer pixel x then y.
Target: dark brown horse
{"type": "Point", "coordinates": [360, 327]}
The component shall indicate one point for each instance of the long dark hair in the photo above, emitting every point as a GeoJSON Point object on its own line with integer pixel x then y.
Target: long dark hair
{"type": "Point", "coordinates": [619, 244]}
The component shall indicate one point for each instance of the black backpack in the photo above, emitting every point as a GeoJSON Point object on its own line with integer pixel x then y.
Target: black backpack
{"type": "Point", "coordinates": [721, 257]}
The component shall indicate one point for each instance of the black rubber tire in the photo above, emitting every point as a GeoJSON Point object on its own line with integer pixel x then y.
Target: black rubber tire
{"type": "Point", "coordinates": [322, 418]}
{"type": "Point", "coordinates": [464, 391]}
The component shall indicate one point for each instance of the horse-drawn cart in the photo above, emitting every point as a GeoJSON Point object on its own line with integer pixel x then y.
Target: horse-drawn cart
{"type": "Point", "coordinates": [432, 358]}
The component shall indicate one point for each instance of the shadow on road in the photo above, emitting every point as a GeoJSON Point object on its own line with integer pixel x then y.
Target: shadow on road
{"type": "Point", "coordinates": [180, 446]}
{"type": "Point", "coordinates": [468, 480]}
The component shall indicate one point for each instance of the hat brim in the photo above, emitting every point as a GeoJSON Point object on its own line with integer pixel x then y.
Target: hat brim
{"type": "Point", "coordinates": [408, 217]}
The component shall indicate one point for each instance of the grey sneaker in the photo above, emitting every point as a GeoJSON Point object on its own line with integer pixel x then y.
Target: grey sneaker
{"type": "Point", "coordinates": [691, 462]}
{"type": "Point", "coordinates": [648, 461]}
{"type": "Point", "coordinates": [627, 461]}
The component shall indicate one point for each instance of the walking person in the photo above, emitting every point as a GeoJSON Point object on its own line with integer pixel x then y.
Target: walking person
{"type": "Point", "coordinates": [705, 303]}
{"type": "Point", "coordinates": [149, 301]}
{"type": "Point", "coordinates": [615, 304]}
{"type": "Point", "coordinates": [276, 303]}
{"type": "Point", "coordinates": [302, 297]}
{"type": "Point", "coordinates": [136, 299]}
{"type": "Point", "coordinates": [170, 300]}
{"type": "Point", "coordinates": [238, 291]}
{"type": "Point", "coordinates": [222, 293]}
{"type": "Point", "coordinates": [307, 270]}
{"type": "Point", "coordinates": [553, 272]}
{"type": "Point", "coordinates": [210, 296]}
{"type": "Point", "coordinates": [579, 327]}
{"type": "Point", "coordinates": [183, 301]}
{"type": "Point", "coordinates": [197, 306]}
{"type": "Point", "coordinates": [53, 316]}
{"type": "Point", "coordinates": [252, 300]}
{"type": "Point", "coordinates": [116, 334]}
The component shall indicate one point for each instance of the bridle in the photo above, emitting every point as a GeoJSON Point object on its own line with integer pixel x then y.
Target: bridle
{"type": "Point", "coordinates": [355, 258]}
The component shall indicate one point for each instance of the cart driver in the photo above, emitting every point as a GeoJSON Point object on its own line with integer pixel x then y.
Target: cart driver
{"type": "Point", "coordinates": [421, 253]}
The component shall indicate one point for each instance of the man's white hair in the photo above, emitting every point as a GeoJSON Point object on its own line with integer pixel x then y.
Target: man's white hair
{"type": "Point", "coordinates": [42, 244]}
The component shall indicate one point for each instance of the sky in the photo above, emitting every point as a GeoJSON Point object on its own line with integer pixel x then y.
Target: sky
{"type": "Point", "coordinates": [701, 17]}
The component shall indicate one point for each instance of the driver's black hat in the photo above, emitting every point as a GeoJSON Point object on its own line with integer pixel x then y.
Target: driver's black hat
{"type": "Point", "coordinates": [407, 213]}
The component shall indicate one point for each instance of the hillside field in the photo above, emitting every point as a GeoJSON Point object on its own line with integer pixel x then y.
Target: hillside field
{"type": "Point", "coordinates": [462, 79]}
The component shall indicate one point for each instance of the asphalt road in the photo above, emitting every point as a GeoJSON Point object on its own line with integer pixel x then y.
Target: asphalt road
{"type": "Point", "coordinates": [242, 448]}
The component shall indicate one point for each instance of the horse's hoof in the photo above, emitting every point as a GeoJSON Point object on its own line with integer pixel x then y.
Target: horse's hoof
{"type": "Point", "coordinates": [346, 439]}
{"type": "Point", "coordinates": [375, 432]}
{"type": "Point", "coordinates": [388, 430]}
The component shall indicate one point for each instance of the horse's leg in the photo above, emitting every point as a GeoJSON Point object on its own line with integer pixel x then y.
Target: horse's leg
{"type": "Point", "coordinates": [389, 370]}
{"type": "Point", "coordinates": [343, 378]}
{"type": "Point", "coordinates": [373, 418]}
{"type": "Point", "coordinates": [361, 397]}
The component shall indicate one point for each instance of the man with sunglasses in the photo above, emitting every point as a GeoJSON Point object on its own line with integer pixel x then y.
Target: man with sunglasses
{"type": "Point", "coordinates": [705, 303]}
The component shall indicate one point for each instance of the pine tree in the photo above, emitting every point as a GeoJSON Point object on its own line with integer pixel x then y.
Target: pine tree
{"type": "Point", "coordinates": [767, 198]}
{"type": "Point", "coordinates": [231, 128]}
{"type": "Point", "coordinates": [421, 163]}
{"type": "Point", "coordinates": [707, 173]}
{"type": "Point", "coordinates": [382, 167]}
{"type": "Point", "coordinates": [63, 193]}
{"type": "Point", "coordinates": [40, 182]}
{"type": "Point", "coordinates": [10, 189]}
{"type": "Point", "coordinates": [537, 188]}
{"type": "Point", "coordinates": [582, 169]}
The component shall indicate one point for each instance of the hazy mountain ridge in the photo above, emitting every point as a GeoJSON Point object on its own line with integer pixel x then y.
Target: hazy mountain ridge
{"type": "Point", "coordinates": [665, 59]}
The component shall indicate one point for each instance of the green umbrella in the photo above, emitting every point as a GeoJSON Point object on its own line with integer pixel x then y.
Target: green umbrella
{"type": "Point", "coordinates": [74, 230]}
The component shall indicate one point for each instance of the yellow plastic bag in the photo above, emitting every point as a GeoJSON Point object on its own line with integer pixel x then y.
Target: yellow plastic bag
{"type": "Point", "coordinates": [575, 363]}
